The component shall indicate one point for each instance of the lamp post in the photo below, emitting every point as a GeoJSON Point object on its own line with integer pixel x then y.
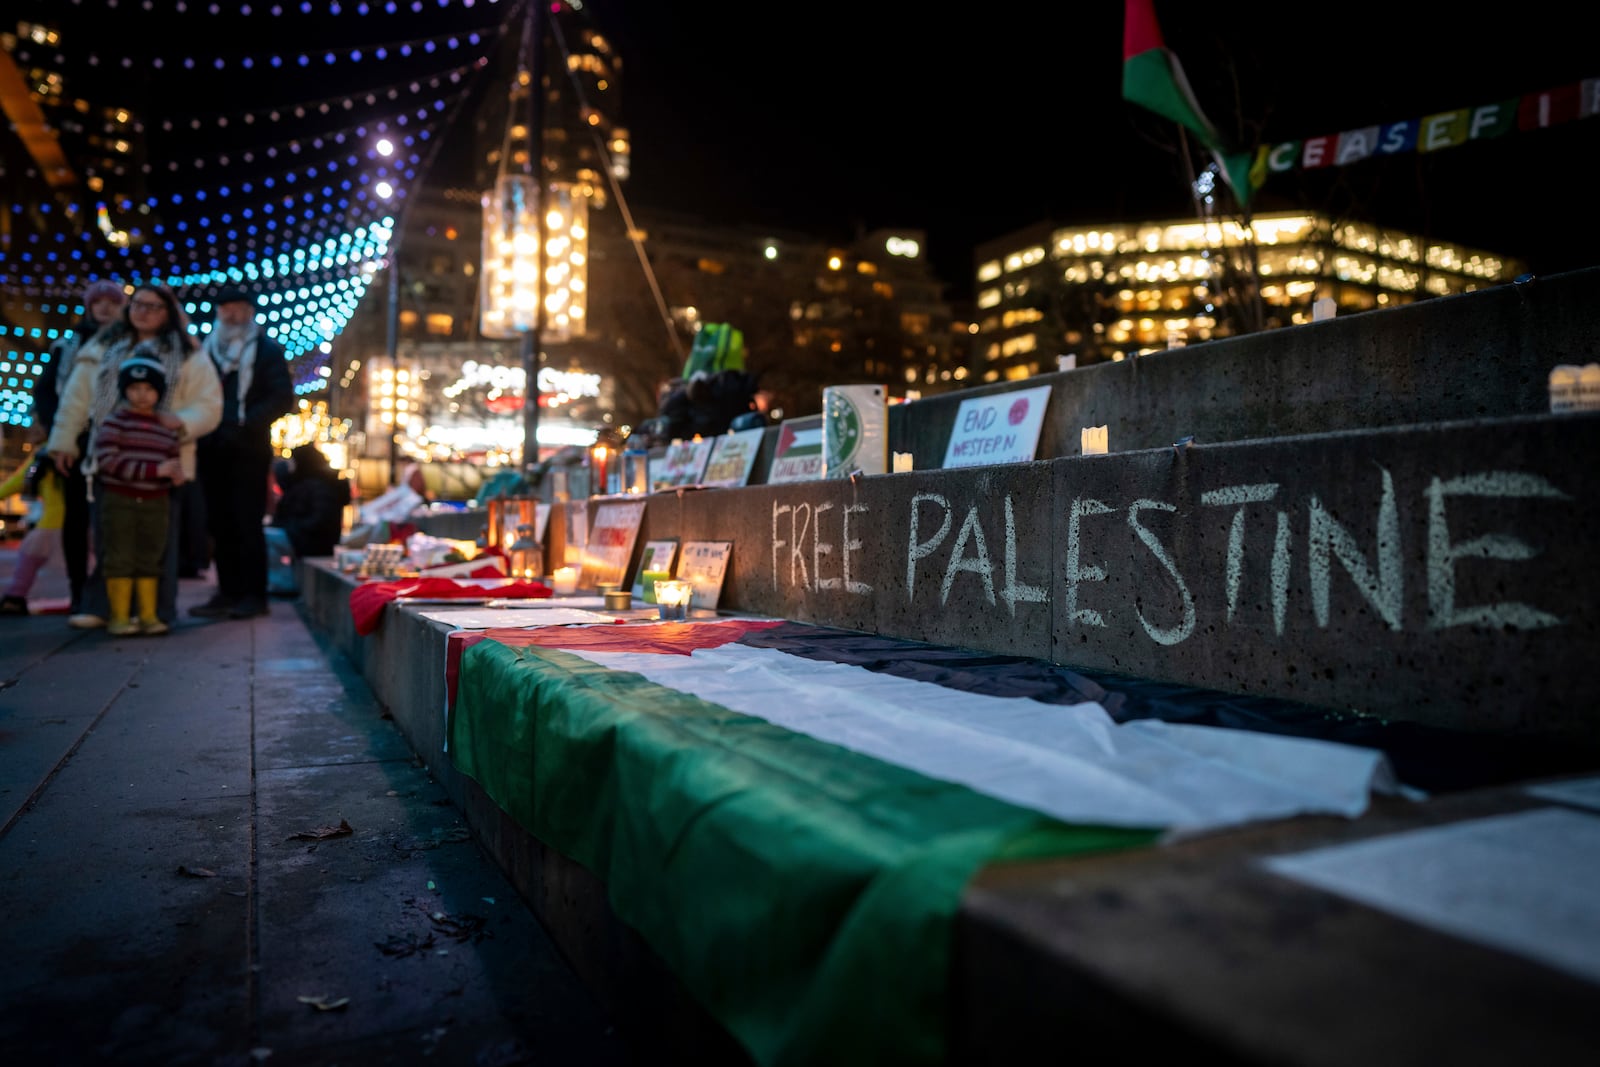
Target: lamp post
{"type": "Point", "coordinates": [394, 351]}
{"type": "Point", "coordinates": [535, 243]}
{"type": "Point", "coordinates": [534, 166]}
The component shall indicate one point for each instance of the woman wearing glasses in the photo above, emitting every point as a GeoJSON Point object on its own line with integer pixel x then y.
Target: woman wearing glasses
{"type": "Point", "coordinates": [153, 323]}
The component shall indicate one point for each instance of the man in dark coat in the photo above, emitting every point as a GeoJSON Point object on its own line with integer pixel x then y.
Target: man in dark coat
{"type": "Point", "coordinates": [236, 458]}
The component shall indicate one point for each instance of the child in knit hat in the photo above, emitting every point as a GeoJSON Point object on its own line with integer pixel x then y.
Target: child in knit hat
{"type": "Point", "coordinates": [135, 466]}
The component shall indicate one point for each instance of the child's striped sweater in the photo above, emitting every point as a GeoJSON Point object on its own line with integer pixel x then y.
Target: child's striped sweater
{"type": "Point", "coordinates": [128, 447]}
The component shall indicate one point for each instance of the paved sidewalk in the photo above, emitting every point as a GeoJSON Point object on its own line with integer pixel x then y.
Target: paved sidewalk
{"type": "Point", "coordinates": [170, 896]}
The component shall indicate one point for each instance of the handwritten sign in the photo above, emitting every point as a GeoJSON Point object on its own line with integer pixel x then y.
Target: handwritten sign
{"type": "Point", "coordinates": [704, 565]}
{"type": "Point", "coordinates": [732, 457]}
{"type": "Point", "coordinates": [611, 539]}
{"type": "Point", "coordinates": [999, 428]}
{"type": "Point", "coordinates": [682, 465]}
{"type": "Point", "coordinates": [798, 457]}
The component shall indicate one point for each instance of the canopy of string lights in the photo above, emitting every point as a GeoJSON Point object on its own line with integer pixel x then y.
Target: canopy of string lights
{"type": "Point", "coordinates": [203, 145]}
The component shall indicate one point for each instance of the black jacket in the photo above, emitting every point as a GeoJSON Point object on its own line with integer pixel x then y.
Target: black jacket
{"type": "Point", "coordinates": [311, 510]}
{"type": "Point", "coordinates": [270, 397]}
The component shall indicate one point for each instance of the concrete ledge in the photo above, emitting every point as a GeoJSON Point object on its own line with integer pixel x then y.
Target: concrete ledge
{"type": "Point", "coordinates": [1188, 949]}
{"type": "Point", "coordinates": [403, 662]}
{"type": "Point", "coordinates": [1442, 574]}
{"type": "Point", "coordinates": [1476, 355]}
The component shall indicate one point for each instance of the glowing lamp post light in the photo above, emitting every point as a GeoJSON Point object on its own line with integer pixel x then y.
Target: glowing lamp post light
{"type": "Point", "coordinates": [510, 257]}
{"type": "Point", "coordinates": [535, 274]}
{"type": "Point", "coordinates": [510, 286]}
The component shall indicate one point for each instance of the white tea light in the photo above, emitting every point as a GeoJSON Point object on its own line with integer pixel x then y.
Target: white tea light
{"type": "Point", "coordinates": [564, 581]}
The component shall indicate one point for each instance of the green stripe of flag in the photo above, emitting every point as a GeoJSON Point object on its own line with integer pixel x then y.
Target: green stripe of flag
{"type": "Point", "coordinates": [804, 893]}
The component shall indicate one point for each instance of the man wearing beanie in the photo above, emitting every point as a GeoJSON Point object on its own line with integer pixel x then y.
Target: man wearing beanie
{"type": "Point", "coordinates": [236, 458]}
{"type": "Point", "coordinates": [102, 305]}
{"type": "Point", "coordinates": [135, 463]}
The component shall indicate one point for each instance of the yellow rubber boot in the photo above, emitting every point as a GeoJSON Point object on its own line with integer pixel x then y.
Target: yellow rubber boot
{"type": "Point", "coordinates": [120, 592]}
{"type": "Point", "coordinates": [149, 621]}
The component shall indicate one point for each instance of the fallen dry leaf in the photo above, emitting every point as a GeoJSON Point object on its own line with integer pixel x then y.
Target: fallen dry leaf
{"type": "Point", "coordinates": [460, 927]}
{"type": "Point", "coordinates": [323, 832]}
{"type": "Point", "coordinates": [409, 945]}
{"type": "Point", "coordinates": [324, 1004]}
{"type": "Point", "coordinates": [196, 872]}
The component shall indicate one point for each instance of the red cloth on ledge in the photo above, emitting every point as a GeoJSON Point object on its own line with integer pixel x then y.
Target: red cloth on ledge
{"type": "Point", "coordinates": [367, 599]}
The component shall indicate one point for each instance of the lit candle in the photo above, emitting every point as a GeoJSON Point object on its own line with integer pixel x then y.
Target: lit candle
{"type": "Point", "coordinates": [648, 580]}
{"type": "Point", "coordinates": [564, 581]}
{"type": "Point", "coordinates": [672, 599]}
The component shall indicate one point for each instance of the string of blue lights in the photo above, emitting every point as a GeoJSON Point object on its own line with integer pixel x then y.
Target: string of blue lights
{"type": "Point", "coordinates": [308, 234]}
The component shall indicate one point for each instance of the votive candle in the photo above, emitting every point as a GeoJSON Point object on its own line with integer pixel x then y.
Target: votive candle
{"type": "Point", "coordinates": [564, 581]}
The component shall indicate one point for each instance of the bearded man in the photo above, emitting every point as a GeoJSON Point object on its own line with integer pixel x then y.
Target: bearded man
{"type": "Point", "coordinates": [236, 458]}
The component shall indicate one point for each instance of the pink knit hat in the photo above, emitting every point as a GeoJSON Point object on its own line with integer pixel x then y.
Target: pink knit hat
{"type": "Point", "coordinates": [100, 290]}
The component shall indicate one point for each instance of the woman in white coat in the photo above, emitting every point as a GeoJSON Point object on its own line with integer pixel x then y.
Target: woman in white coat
{"type": "Point", "coordinates": [154, 322]}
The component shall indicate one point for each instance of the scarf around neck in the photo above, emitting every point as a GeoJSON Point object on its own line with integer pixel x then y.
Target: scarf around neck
{"type": "Point", "coordinates": [233, 348]}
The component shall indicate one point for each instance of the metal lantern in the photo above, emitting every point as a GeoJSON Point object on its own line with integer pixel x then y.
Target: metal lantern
{"type": "Point", "coordinates": [635, 471]}
{"type": "Point", "coordinates": [526, 554]}
{"type": "Point", "coordinates": [516, 512]}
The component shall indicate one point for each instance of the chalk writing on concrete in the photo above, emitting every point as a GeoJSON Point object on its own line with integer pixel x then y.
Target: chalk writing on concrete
{"type": "Point", "coordinates": [1376, 570]}
{"type": "Point", "coordinates": [790, 544]}
{"type": "Point", "coordinates": [821, 548]}
{"type": "Point", "coordinates": [852, 547]}
{"type": "Point", "coordinates": [1076, 570]}
{"type": "Point", "coordinates": [799, 524]}
{"type": "Point", "coordinates": [920, 549]}
{"type": "Point", "coordinates": [1442, 555]}
{"type": "Point", "coordinates": [1237, 496]}
{"type": "Point", "coordinates": [1384, 590]}
{"type": "Point", "coordinates": [1170, 635]}
{"type": "Point", "coordinates": [1013, 591]}
{"type": "Point", "coordinates": [978, 562]}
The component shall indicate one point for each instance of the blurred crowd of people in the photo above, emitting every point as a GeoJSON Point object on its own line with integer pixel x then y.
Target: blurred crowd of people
{"type": "Point", "coordinates": [156, 460]}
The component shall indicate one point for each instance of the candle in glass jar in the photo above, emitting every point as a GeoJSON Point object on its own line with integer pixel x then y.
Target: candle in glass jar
{"type": "Point", "coordinates": [672, 599]}
{"type": "Point", "coordinates": [564, 581]}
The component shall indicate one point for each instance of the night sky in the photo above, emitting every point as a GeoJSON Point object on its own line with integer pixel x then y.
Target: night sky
{"type": "Point", "coordinates": [973, 121]}
{"type": "Point", "coordinates": [966, 122]}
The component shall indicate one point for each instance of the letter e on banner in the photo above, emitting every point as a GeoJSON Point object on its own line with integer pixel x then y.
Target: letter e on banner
{"type": "Point", "coordinates": [1316, 152]}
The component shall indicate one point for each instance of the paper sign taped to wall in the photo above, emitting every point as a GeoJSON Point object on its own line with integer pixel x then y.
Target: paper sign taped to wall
{"type": "Point", "coordinates": [997, 428]}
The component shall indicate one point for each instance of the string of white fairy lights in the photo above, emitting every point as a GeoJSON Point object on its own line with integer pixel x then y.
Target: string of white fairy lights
{"type": "Point", "coordinates": [308, 237]}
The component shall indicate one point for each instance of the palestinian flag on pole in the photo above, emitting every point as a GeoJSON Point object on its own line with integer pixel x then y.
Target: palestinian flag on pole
{"type": "Point", "coordinates": [1153, 78]}
{"type": "Point", "coordinates": [792, 831]}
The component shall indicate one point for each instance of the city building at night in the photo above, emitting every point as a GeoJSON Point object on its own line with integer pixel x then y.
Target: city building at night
{"type": "Point", "coordinates": [1114, 290]}
{"type": "Point", "coordinates": [813, 313]}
